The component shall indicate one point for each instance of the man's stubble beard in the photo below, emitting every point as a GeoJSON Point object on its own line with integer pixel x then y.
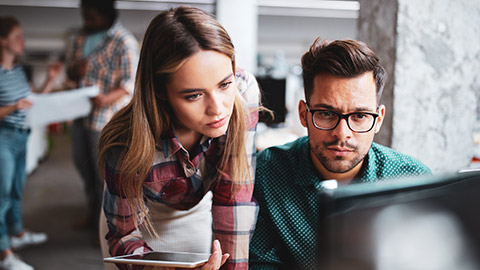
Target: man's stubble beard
{"type": "Point", "coordinates": [339, 164]}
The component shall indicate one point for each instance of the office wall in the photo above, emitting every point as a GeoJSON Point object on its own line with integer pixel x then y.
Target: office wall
{"type": "Point", "coordinates": [435, 88]}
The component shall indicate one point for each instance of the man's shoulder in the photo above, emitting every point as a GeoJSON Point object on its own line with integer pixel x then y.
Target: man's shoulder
{"type": "Point", "coordinates": [286, 152]}
{"type": "Point", "coordinates": [280, 163]}
{"type": "Point", "coordinates": [391, 163]}
{"type": "Point", "coordinates": [122, 35]}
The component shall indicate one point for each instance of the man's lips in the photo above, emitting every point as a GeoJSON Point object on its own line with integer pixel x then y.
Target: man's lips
{"type": "Point", "coordinates": [218, 123]}
{"type": "Point", "coordinates": [339, 151]}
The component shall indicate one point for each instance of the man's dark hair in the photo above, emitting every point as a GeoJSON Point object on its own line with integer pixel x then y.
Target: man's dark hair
{"type": "Point", "coordinates": [343, 58]}
{"type": "Point", "coordinates": [104, 7]}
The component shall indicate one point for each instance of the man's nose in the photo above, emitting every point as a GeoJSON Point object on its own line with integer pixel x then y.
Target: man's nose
{"type": "Point", "coordinates": [342, 131]}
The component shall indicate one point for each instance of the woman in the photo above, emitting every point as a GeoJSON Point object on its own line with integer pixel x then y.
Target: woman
{"type": "Point", "coordinates": [179, 155]}
{"type": "Point", "coordinates": [14, 88]}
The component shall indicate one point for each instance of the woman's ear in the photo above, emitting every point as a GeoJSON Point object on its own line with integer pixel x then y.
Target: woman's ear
{"type": "Point", "coordinates": [160, 93]}
{"type": "Point", "coordinates": [160, 96]}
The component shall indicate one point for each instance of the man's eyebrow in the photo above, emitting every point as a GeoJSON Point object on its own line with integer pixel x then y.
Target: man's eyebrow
{"type": "Point", "coordinates": [364, 109]}
{"type": "Point", "coordinates": [331, 108]}
{"type": "Point", "coordinates": [193, 90]}
{"type": "Point", "coordinates": [323, 106]}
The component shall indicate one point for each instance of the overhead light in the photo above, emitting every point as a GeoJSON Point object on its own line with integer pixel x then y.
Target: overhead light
{"type": "Point", "coordinates": [309, 8]}
{"type": "Point", "coordinates": [120, 4]}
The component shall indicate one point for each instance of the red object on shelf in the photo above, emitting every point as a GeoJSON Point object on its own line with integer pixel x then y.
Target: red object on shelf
{"type": "Point", "coordinates": [54, 128]}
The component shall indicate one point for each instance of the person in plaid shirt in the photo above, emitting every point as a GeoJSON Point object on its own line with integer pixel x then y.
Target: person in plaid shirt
{"type": "Point", "coordinates": [179, 159]}
{"type": "Point", "coordinates": [105, 54]}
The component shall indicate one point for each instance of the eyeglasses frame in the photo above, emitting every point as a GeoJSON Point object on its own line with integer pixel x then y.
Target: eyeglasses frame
{"type": "Point", "coordinates": [343, 116]}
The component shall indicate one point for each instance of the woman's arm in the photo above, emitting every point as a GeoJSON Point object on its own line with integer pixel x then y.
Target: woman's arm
{"type": "Point", "coordinates": [22, 104]}
{"type": "Point", "coordinates": [123, 237]}
{"type": "Point", "coordinates": [234, 214]}
{"type": "Point", "coordinates": [53, 72]}
{"type": "Point", "coordinates": [233, 222]}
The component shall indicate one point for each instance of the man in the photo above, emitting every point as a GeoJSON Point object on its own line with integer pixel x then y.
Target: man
{"type": "Point", "coordinates": [343, 82]}
{"type": "Point", "coordinates": [105, 54]}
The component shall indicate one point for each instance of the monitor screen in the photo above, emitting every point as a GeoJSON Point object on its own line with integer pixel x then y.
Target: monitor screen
{"type": "Point", "coordinates": [415, 223]}
{"type": "Point", "coordinates": [273, 98]}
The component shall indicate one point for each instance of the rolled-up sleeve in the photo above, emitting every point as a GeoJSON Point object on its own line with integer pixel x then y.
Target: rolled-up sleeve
{"type": "Point", "coordinates": [234, 222]}
{"type": "Point", "coordinates": [123, 237]}
{"type": "Point", "coordinates": [235, 213]}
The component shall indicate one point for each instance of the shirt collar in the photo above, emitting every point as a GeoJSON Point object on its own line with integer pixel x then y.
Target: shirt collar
{"type": "Point", "coordinates": [307, 175]}
{"type": "Point", "coordinates": [110, 32]}
{"type": "Point", "coordinates": [170, 145]}
{"type": "Point", "coordinates": [369, 167]}
{"type": "Point", "coordinates": [113, 29]}
{"type": "Point", "coordinates": [4, 70]}
{"type": "Point", "coordinates": [313, 178]}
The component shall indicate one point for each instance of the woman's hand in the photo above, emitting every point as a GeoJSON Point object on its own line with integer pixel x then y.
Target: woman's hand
{"type": "Point", "coordinates": [23, 104]}
{"type": "Point", "coordinates": [214, 262]}
{"type": "Point", "coordinates": [216, 259]}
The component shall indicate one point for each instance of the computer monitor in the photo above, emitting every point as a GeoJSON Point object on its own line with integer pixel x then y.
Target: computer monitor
{"type": "Point", "coordinates": [416, 223]}
{"type": "Point", "coordinates": [273, 98]}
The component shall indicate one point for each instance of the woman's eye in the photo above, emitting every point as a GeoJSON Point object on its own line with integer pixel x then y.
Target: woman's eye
{"type": "Point", "coordinates": [225, 85]}
{"type": "Point", "coordinates": [192, 97]}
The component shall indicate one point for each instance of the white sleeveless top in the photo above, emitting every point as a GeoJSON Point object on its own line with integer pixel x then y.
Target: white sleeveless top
{"type": "Point", "coordinates": [181, 230]}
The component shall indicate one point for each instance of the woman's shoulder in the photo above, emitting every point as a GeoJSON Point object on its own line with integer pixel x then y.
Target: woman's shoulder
{"type": "Point", "coordinates": [247, 86]}
{"type": "Point", "coordinates": [113, 155]}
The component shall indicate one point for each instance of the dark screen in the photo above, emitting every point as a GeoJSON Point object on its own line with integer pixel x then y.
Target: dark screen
{"type": "Point", "coordinates": [176, 257]}
{"type": "Point", "coordinates": [417, 223]}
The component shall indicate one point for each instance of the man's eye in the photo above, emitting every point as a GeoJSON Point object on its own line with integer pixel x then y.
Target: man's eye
{"type": "Point", "coordinates": [325, 114]}
{"type": "Point", "coordinates": [359, 116]}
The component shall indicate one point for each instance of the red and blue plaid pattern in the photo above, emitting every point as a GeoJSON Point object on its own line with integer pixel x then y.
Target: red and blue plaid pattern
{"type": "Point", "coordinates": [180, 183]}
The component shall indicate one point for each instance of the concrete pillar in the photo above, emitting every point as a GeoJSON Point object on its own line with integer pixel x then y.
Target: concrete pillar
{"type": "Point", "coordinates": [240, 19]}
{"type": "Point", "coordinates": [430, 49]}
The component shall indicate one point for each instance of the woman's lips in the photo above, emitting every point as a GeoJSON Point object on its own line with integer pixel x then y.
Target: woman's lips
{"type": "Point", "coordinates": [218, 123]}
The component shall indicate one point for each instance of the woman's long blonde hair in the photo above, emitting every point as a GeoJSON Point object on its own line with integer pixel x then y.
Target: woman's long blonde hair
{"type": "Point", "coordinates": [171, 38]}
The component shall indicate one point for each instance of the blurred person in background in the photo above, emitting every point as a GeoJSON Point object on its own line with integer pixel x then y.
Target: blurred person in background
{"type": "Point", "coordinates": [105, 54]}
{"type": "Point", "coordinates": [14, 90]}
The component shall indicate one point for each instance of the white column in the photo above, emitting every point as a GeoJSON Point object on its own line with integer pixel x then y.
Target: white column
{"type": "Point", "coordinates": [434, 71]}
{"type": "Point", "coordinates": [240, 19]}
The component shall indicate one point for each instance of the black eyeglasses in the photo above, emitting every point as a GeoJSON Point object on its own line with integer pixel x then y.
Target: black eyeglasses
{"type": "Point", "coordinates": [359, 122]}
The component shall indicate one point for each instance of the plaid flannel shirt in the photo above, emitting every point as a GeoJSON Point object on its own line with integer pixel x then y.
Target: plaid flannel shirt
{"type": "Point", "coordinates": [181, 184]}
{"type": "Point", "coordinates": [112, 64]}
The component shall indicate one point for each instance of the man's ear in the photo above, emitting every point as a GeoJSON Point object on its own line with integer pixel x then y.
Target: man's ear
{"type": "Point", "coordinates": [381, 116]}
{"type": "Point", "coordinates": [302, 112]}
